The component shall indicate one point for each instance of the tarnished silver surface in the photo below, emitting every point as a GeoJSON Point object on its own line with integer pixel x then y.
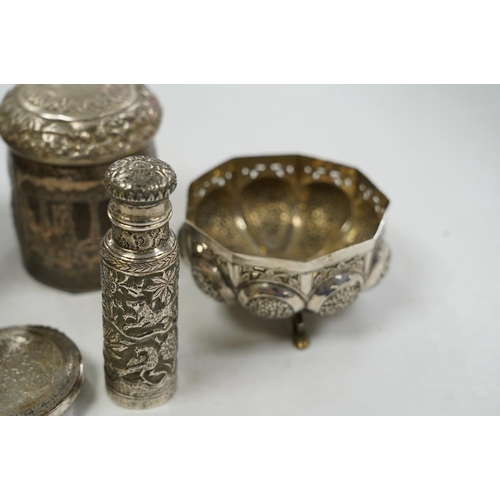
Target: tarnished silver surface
{"type": "Point", "coordinates": [285, 234]}
{"type": "Point", "coordinates": [41, 371]}
{"type": "Point", "coordinates": [62, 138]}
{"type": "Point", "coordinates": [78, 124]}
{"type": "Point", "coordinates": [139, 276]}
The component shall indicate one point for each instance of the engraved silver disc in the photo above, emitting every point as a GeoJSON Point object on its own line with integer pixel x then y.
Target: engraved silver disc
{"type": "Point", "coordinates": [41, 371]}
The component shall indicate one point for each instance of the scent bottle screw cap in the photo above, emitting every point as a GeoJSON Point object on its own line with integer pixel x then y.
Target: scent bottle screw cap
{"type": "Point", "coordinates": [140, 180]}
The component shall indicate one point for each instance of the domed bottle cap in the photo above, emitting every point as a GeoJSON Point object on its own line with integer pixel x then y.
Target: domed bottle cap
{"type": "Point", "coordinates": [140, 180]}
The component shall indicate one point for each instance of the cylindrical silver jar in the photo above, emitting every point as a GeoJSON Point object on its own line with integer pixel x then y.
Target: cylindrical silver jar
{"type": "Point", "coordinates": [62, 138]}
{"type": "Point", "coordinates": [139, 273]}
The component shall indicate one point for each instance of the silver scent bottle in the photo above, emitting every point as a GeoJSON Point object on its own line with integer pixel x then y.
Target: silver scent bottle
{"type": "Point", "coordinates": [139, 278]}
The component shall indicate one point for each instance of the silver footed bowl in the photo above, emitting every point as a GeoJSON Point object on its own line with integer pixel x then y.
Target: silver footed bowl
{"type": "Point", "coordinates": [285, 234]}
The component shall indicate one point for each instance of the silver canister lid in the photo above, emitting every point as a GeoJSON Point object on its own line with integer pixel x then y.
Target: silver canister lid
{"type": "Point", "coordinates": [41, 371]}
{"type": "Point", "coordinates": [78, 124]}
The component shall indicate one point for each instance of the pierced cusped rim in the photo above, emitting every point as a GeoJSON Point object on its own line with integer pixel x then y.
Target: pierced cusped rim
{"type": "Point", "coordinates": [282, 263]}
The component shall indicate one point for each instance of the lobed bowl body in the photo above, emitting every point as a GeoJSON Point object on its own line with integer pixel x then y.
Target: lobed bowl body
{"type": "Point", "coordinates": [284, 234]}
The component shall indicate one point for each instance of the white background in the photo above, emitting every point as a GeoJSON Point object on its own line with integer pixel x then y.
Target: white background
{"type": "Point", "coordinates": [424, 341]}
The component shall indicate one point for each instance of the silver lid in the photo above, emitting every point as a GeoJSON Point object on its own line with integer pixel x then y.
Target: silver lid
{"type": "Point", "coordinates": [78, 124]}
{"type": "Point", "coordinates": [41, 371]}
{"type": "Point", "coordinates": [139, 180]}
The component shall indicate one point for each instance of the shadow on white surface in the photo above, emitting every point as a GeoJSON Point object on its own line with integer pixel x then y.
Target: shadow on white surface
{"type": "Point", "coordinates": [88, 394]}
{"type": "Point", "coordinates": [12, 272]}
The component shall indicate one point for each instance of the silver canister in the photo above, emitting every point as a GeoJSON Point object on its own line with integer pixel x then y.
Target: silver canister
{"type": "Point", "coordinates": [139, 277]}
{"type": "Point", "coordinates": [61, 139]}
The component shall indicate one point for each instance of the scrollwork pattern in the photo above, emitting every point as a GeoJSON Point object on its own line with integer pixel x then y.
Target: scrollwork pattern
{"type": "Point", "coordinates": [140, 327]}
{"type": "Point", "coordinates": [139, 241]}
{"type": "Point", "coordinates": [265, 274]}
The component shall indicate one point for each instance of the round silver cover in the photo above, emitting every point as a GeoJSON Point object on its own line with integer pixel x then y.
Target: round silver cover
{"type": "Point", "coordinates": [78, 124]}
{"type": "Point", "coordinates": [41, 371]}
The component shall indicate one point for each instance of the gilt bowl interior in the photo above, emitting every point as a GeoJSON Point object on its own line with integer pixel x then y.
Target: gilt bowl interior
{"type": "Point", "coordinates": [288, 207]}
